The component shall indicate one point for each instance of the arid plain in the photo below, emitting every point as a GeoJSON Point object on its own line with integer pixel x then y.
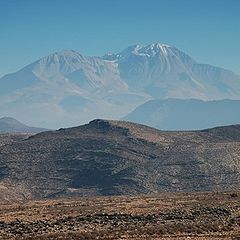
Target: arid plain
{"type": "Point", "coordinates": [165, 216]}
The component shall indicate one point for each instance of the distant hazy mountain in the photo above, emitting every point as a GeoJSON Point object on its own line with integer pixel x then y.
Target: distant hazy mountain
{"type": "Point", "coordinates": [115, 157]}
{"type": "Point", "coordinates": [188, 114]}
{"type": "Point", "coordinates": [11, 125]}
{"type": "Point", "coordinates": [66, 88]}
{"type": "Point", "coordinates": [166, 72]}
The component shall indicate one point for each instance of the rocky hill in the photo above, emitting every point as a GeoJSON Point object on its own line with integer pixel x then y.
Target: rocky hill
{"type": "Point", "coordinates": [116, 157]}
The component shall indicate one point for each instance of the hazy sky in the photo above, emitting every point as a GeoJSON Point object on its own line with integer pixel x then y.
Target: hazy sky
{"type": "Point", "coordinates": [208, 30]}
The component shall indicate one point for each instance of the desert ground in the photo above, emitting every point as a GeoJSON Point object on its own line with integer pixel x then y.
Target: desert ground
{"type": "Point", "coordinates": [165, 216]}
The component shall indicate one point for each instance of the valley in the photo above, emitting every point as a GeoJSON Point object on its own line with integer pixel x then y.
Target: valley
{"type": "Point", "coordinates": [119, 120]}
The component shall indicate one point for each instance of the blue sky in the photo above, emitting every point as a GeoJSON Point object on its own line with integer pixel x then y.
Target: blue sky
{"type": "Point", "coordinates": [208, 30]}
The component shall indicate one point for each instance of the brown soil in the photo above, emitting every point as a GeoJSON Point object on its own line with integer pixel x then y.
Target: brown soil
{"type": "Point", "coordinates": [166, 216]}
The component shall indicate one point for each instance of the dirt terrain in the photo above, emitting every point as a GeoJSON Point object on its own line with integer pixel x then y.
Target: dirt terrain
{"type": "Point", "coordinates": [166, 216]}
{"type": "Point", "coordinates": [118, 158]}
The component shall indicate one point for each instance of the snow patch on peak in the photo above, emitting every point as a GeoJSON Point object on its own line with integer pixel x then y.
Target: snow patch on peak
{"type": "Point", "coordinates": [140, 50]}
{"type": "Point", "coordinates": [134, 49]}
{"type": "Point", "coordinates": [155, 46]}
{"type": "Point", "coordinates": [154, 49]}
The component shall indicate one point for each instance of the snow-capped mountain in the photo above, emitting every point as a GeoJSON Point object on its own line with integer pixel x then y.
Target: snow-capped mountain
{"type": "Point", "coordinates": [166, 72]}
{"type": "Point", "coordinates": [67, 88]}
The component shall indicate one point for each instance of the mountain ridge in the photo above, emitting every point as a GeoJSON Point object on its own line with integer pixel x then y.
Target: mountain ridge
{"type": "Point", "coordinates": [186, 114]}
{"type": "Point", "coordinates": [11, 125]}
{"type": "Point", "coordinates": [72, 89]}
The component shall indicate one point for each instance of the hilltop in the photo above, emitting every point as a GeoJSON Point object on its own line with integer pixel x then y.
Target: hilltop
{"type": "Point", "coordinates": [119, 158]}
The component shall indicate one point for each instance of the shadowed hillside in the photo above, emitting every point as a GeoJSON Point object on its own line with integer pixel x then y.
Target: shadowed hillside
{"type": "Point", "coordinates": [116, 157]}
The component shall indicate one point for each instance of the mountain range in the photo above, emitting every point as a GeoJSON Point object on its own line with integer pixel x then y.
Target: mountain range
{"type": "Point", "coordinates": [67, 88]}
{"type": "Point", "coordinates": [117, 158]}
{"type": "Point", "coordinates": [186, 114]}
{"type": "Point", "coordinates": [11, 125]}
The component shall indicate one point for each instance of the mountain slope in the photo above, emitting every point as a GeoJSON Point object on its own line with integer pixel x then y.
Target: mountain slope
{"type": "Point", "coordinates": [114, 157]}
{"type": "Point", "coordinates": [188, 114]}
{"type": "Point", "coordinates": [11, 125]}
{"type": "Point", "coordinates": [71, 89]}
{"type": "Point", "coordinates": [166, 72]}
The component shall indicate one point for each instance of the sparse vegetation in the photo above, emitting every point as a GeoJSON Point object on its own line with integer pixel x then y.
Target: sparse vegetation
{"type": "Point", "coordinates": [118, 158]}
{"type": "Point", "coordinates": [167, 216]}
